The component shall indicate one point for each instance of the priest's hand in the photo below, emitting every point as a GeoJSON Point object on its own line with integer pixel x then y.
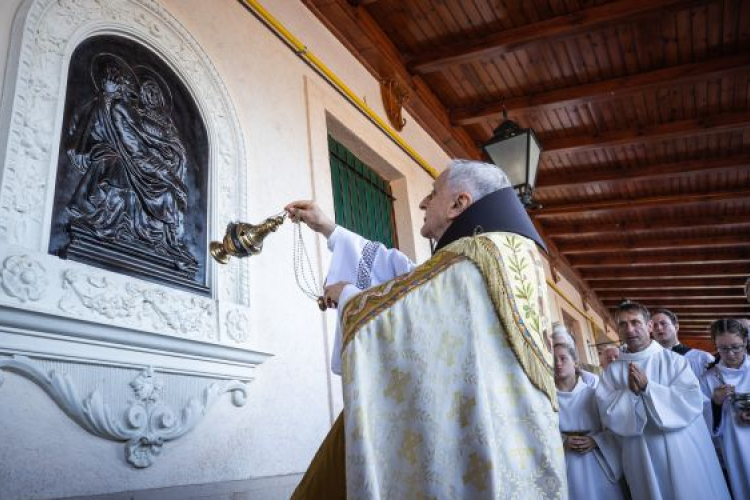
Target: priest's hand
{"type": "Point", "coordinates": [721, 393]}
{"type": "Point", "coordinates": [580, 444]}
{"type": "Point", "coordinates": [332, 293]}
{"type": "Point", "coordinates": [743, 417]}
{"type": "Point", "coordinates": [309, 212]}
{"type": "Point", "coordinates": [637, 379]}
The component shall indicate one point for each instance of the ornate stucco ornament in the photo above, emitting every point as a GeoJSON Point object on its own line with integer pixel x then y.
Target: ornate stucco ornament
{"type": "Point", "coordinates": [146, 424]}
{"type": "Point", "coordinates": [23, 278]}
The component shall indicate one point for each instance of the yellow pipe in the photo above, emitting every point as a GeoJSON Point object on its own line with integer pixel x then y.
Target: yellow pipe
{"type": "Point", "coordinates": [301, 50]}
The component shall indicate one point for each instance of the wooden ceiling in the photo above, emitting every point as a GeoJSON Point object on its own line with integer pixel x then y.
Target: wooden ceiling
{"type": "Point", "coordinates": [642, 108]}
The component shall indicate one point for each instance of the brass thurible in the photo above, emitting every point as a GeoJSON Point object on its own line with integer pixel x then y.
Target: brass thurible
{"type": "Point", "coordinates": [242, 239]}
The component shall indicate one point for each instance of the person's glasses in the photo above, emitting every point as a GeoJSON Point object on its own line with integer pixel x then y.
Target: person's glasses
{"type": "Point", "coordinates": [736, 349]}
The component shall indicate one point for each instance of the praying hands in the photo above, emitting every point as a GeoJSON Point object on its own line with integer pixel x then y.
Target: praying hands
{"type": "Point", "coordinates": [580, 444]}
{"type": "Point", "coordinates": [637, 379]}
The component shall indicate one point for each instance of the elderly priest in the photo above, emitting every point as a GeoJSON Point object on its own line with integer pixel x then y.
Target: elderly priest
{"type": "Point", "coordinates": [651, 399]}
{"type": "Point", "coordinates": [448, 386]}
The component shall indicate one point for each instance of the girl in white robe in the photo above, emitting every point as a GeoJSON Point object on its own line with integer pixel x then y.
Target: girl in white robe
{"type": "Point", "coordinates": [592, 455]}
{"type": "Point", "coordinates": [728, 424]}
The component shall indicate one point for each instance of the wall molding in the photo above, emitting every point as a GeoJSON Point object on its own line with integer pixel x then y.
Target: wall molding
{"type": "Point", "coordinates": [146, 423]}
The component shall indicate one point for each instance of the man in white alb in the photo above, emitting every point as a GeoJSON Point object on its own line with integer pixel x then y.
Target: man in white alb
{"type": "Point", "coordinates": [651, 399]}
{"type": "Point", "coordinates": [666, 328]}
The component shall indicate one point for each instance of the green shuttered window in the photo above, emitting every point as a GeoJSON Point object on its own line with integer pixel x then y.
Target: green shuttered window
{"type": "Point", "coordinates": [362, 199]}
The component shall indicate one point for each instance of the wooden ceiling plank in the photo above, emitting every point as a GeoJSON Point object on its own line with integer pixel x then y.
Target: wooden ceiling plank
{"type": "Point", "coordinates": [640, 203]}
{"type": "Point", "coordinates": [601, 174]}
{"type": "Point", "coordinates": [599, 228]}
{"type": "Point", "coordinates": [715, 256]}
{"type": "Point", "coordinates": [631, 85]}
{"type": "Point", "coordinates": [667, 271]}
{"type": "Point", "coordinates": [631, 244]}
{"type": "Point", "coordinates": [649, 134]}
{"type": "Point", "coordinates": [685, 302]}
{"type": "Point", "coordinates": [668, 293]}
{"type": "Point", "coordinates": [532, 33]}
{"type": "Point", "coordinates": [625, 284]}
{"type": "Point", "coordinates": [709, 315]}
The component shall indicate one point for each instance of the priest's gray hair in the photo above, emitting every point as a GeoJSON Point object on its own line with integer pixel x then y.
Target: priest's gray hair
{"type": "Point", "coordinates": [477, 178]}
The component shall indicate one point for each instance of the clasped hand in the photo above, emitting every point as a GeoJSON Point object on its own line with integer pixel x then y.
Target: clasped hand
{"type": "Point", "coordinates": [580, 444]}
{"type": "Point", "coordinates": [637, 379]}
{"type": "Point", "coordinates": [721, 393]}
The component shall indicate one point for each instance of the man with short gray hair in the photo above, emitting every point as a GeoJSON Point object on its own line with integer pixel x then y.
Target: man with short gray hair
{"type": "Point", "coordinates": [448, 386]}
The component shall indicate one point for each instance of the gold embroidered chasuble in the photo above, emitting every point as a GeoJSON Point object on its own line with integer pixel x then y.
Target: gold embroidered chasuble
{"type": "Point", "coordinates": [448, 388]}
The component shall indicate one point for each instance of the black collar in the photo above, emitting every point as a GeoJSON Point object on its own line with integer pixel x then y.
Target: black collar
{"type": "Point", "coordinates": [681, 349]}
{"type": "Point", "coordinates": [500, 211]}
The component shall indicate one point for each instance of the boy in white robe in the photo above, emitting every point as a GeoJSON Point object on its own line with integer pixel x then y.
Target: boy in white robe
{"type": "Point", "coordinates": [666, 328]}
{"type": "Point", "coordinates": [592, 454]}
{"type": "Point", "coordinates": [729, 424]}
{"type": "Point", "coordinates": [651, 399]}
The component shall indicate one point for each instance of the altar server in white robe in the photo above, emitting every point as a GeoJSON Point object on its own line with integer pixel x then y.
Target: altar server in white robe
{"type": "Point", "coordinates": [651, 399]}
{"type": "Point", "coordinates": [448, 392]}
{"type": "Point", "coordinates": [729, 420]}
{"type": "Point", "coordinates": [666, 329]}
{"type": "Point", "coordinates": [592, 454]}
{"type": "Point", "coordinates": [560, 335]}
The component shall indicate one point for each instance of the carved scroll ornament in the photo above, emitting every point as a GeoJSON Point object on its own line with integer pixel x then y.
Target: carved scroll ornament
{"type": "Point", "coordinates": [145, 425]}
{"type": "Point", "coordinates": [394, 98]}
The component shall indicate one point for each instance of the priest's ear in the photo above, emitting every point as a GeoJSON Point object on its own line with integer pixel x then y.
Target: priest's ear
{"type": "Point", "coordinates": [461, 201]}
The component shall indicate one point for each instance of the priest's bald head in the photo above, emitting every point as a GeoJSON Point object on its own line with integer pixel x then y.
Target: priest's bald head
{"type": "Point", "coordinates": [463, 183]}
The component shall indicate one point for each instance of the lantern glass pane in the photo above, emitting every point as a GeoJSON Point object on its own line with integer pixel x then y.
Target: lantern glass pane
{"type": "Point", "coordinates": [510, 155]}
{"type": "Point", "coordinates": [534, 152]}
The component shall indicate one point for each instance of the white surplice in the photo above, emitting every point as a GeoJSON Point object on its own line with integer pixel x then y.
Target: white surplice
{"type": "Point", "coordinates": [595, 474]}
{"type": "Point", "coordinates": [364, 264]}
{"type": "Point", "coordinates": [734, 438]}
{"type": "Point", "coordinates": [590, 379]}
{"type": "Point", "coordinates": [699, 360]}
{"type": "Point", "coordinates": [667, 451]}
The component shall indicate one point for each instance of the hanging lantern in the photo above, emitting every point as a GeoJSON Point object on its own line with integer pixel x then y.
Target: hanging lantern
{"type": "Point", "coordinates": [517, 151]}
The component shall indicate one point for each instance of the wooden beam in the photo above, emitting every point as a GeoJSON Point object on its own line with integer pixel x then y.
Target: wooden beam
{"type": "Point", "coordinates": [544, 31]}
{"type": "Point", "coordinates": [727, 122]}
{"type": "Point", "coordinates": [593, 176]}
{"type": "Point", "coordinates": [730, 312]}
{"type": "Point", "coordinates": [356, 29]}
{"type": "Point", "coordinates": [601, 91]}
{"type": "Point", "coordinates": [596, 227]}
{"type": "Point", "coordinates": [668, 271]}
{"type": "Point", "coordinates": [716, 255]}
{"type": "Point", "coordinates": [705, 303]}
{"type": "Point", "coordinates": [631, 244]}
{"type": "Point", "coordinates": [670, 293]}
{"type": "Point", "coordinates": [639, 203]}
{"type": "Point", "coordinates": [629, 284]}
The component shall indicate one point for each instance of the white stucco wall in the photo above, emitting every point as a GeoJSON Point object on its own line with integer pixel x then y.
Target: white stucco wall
{"type": "Point", "coordinates": [284, 109]}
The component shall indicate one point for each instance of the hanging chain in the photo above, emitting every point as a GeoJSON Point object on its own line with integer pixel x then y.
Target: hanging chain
{"type": "Point", "coordinates": [303, 270]}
